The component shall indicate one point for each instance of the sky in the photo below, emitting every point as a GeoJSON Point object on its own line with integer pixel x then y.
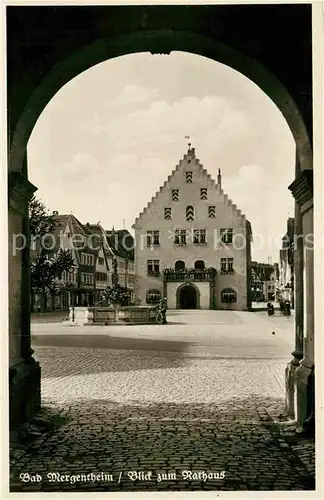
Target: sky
{"type": "Point", "coordinates": [110, 137]}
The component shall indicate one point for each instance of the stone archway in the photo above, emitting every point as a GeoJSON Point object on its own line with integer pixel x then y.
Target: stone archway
{"type": "Point", "coordinates": [97, 52]}
{"type": "Point", "coordinates": [188, 296]}
{"type": "Point", "coordinates": [63, 62]}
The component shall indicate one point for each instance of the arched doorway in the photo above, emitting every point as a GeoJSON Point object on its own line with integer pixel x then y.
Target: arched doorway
{"type": "Point", "coordinates": [199, 264]}
{"type": "Point", "coordinates": [179, 265]}
{"type": "Point", "coordinates": [188, 297]}
{"type": "Point", "coordinates": [161, 34]}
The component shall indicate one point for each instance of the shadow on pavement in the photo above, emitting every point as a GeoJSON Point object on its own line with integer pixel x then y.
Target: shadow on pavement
{"type": "Point", "coordinates": [238, 436]}
{"type": "Point", "coordinates": [105, 341]}
{"type": "Point", "coordinates": [140, 355]}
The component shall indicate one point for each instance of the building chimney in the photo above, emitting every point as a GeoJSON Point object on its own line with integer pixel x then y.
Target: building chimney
{"type": "Point", "coordinates": [219, 178]}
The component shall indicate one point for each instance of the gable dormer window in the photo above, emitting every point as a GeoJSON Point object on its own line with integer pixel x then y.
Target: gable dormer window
{"type": "Point", "coordinates": [167, 213]}
{"type": "Point", "coordinates": [190, 213]}
{"type": "Point", "coordinates": [175, 194]}
{"type": "Point", "coordinates": [189, 177]}
{"type": "Point", "coordinates": [203, 193]}
{"type": "Point", "coordinates": [212, 211]}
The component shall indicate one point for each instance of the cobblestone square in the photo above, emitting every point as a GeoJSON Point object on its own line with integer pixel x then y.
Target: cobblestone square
{"type": "Point", "coordinates": [197, 404]}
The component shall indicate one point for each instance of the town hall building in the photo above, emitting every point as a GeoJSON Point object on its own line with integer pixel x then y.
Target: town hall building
{"type": "Point", "coordinates": [192, 244]}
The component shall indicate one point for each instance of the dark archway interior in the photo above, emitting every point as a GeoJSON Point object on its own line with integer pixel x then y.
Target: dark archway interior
{"type": "Point", "coordinates": [210, 31]}
{"type": "Point", "coordinates": [179, 265]}
{"type": "Point", "coordinates": [188, 297]}
{"type": "Point", "coordinates": [199, 264]}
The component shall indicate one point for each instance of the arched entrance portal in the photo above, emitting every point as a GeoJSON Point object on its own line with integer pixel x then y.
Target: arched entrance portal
{"type": "Point", "coordinates": [147, 30]}
{"type": "Point", "coordinates": [188, 297]}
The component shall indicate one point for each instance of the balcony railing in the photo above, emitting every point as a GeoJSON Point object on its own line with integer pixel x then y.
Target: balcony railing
{"type": "Point", "coordinates": [189, 274]}
{"type": "Point", "coordinates": [150, 272]}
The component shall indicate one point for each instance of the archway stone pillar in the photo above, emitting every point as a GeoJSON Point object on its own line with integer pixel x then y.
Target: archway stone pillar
{"type": "Point", "coordinates": [24, 371]}
{"type": "Point", "coordinates": [302, 190]}
{"type": "Point", "coordinates": [299, 314]}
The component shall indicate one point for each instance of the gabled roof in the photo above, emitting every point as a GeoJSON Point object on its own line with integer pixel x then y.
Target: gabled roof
{"type": "Point", "coordinates": [77, 228]}
{"type": "Point", "coordinates": [122, 243]}
{"type": "Point", "coordinates": [196, 162]}
{"type": "Point", "coordinates": [98, 230]}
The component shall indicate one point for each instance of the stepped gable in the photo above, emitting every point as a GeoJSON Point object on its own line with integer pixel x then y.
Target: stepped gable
{"type": "Point", "coordinates": [220, 191]}
{"type": "Point", "coordinates": [191, 154]}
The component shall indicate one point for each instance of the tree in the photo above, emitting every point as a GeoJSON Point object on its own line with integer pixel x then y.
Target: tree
{"type": "Point", "coordinates": [47, 270]}
{"type": "Point", "coordinates": [116, 294]}
{"type": "Point", "coordinates": [41, 222]}
{"type": "Point", "coordinates": [47, 264]}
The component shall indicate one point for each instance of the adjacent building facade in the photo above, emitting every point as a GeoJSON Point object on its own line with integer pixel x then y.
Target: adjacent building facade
{"type": "Point", "coordinates": [264, 281]}
{"type": "Point", "coordinates": [286, 264]}
{"type": "Point", "coordinates": [121, 243]}
{"type": "Point", "coordinates": [192, 244]}
{"type": "Point", "coordinates": [97, 264]}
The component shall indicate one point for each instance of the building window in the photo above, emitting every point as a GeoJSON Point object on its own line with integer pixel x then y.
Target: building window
{"type": "Point", "coordinates": [212, 211]}
{"type": "Point", "coordinates": [131, 280]}
{"type": "Point", "coordinates": [101, 277]}
{"type": "Point", "coordinates": [101, 261]}
{"type": "Point", "coordinates": [153, 238]}
{"type": "Point", "coordinates": [175, 194]}
{"type": "Point", "coordinates": [189, 177]}
{"type": "Point", "coordinates": [180, 237]}
{"type": "Point", "coordinates": [153, 267]}
{"type": "Point", "coordinates": [153, 296]}
{"type": "Point", "coordinates": [227, 265]}
{"type": "Point", "coordinates": [228, 295]}
{"type": "Point", "coordinates": [199, 236]}
{"type": "Point", "coordinates": [199, 264]}
{"type": "Point", "coordinates": [226, 236]}
{"type": "Point", "coordinates": [87, 278]}
{"type": "Point", "coordinates": [167, 213]}
{"type": "Point", "coordinates": [203, 193]}
{"type": "Point", "coordinates": [179, 265]}
{"type": "Point", "coordinates": [190, 213]}
{"type": "Point", "coordinates": [87, 259]}
{"type": "Point", "coordinates": [70, 276]}
{"type": "Point", "coordinates": [121, 266]}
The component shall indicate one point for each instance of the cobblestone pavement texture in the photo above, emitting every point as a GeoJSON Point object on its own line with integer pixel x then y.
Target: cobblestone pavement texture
{"type": "Point", "coordinates": [162, 412]}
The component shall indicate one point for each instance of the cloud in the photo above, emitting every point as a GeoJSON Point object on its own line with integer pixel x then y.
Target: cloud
{"type": "Point", "coordinates": [82, 163]}
{"type": "Point", "coordinates": [105, 156]}
{"type": "Point", "coordinates": [209, 119]}
{"type": "Point", "coordinates": [254, 175]}
{"type": "Point", "coordinates": [134, 94]}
